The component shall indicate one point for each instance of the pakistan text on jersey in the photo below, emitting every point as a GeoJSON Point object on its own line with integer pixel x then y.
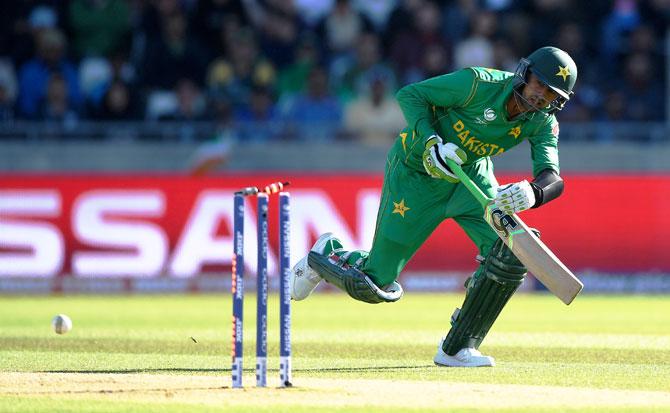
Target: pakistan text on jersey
{"type": "Point", "coordinates": [473, 144]}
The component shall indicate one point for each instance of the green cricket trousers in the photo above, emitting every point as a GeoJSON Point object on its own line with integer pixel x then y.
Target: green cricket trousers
{"type": "Point", "coordinates": [413, 204]}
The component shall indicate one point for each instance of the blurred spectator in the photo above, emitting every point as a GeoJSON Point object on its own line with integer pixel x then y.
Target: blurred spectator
{"type": "Point", "coordinates": [6, 104]}
{"type": "Point", "coordinates": [279, 27]}
{"type": "Point", "coordinates": [354, 76]}
{"type": "Point", "coordinates": [477, 48]}
{"type": "Point", "coordinates": [95, 75]}
{"type": "Point", "coordinates": [293, 78]}
{"type": "Point", "coordinates": [645, 99]}
{"type": "Point", "coordinates": [15, 37]}
{"type": "Point", "coordinates": [174, 56]}
{"type": "Point", "coordinates": [377, 12]}
{"type": "Point", "coordinates": [190, 102]}
{"type": "Point", "coordinates": [503, 5]}
{"type": "Point", "coordinates": [8, 80]}
{"type": "Point", "coordinates": [42, 15]}
{"type": "Point", "coordinates": [225, 42]}
{"type": "Point", "coordinates": [516, 28]}
{"type": "Point", "coordinates": [615, 107]}
{"type": "Point", "coordinates": [259, 119]}
{"type": "Point", "coordinates": [122, 68]}
{"type": "Point", "coordinates": [313, 11]}
{"type": "Point", "coordinates": [160, 104]}
{"type": "Point", "coordinates": [456, 18]}
{"type": "Point", "coordinates": [503, 55]}
{"type": "Point", "coordinates": [118, 103]}
{"type": "Point", "coordinates": [638, 97]}
{"type": "Point", "coordinates": [34, 75]}
{"type": "Point", "coordinates": [188, 106]}
{"type": "Point", "coordinates": [623, 18]}
{"type": "Point", "coordinates": [375, 117]}
{"type": "Point", "coordinates": [261, 107]}
{"type": "Point", "coordinates": [409, 46]}
{"type": "Point", "coordinates": [246, 68]}
{"type": "Point", "coordinates": [656, 13]}
{"type": "Point", "coordinates": [316, 114]}
{"type": "Point", "coordinates": [434, 62]}
{"type": "Point", "coordinates": [579, 109]}
{"type": "Point", "coordinates": [569, 37]}
{"type": "Point", "coordinates": [552, 13]}
{"type": "Point", "coordinates": [152, 15]}
{"type": "Point", "coordinates": [99, 27]}
{"type": "Point", "coordinates": [644, 40]}
{"type": "Point", "coordinates": [257, 56]}
{"type": "Point", "coordinates": [401, 18]}
{"type": "Point", "coordinates": [213, 16]}
{"type": "Point", "coordinates": [56, 106]}
{"type": "Point", "coordinates": [341, 29]}
{"type": "Point", "coordinates": [20, 23]}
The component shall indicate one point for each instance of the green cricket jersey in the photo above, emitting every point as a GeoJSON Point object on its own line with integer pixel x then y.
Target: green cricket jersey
{"type": "Point", "coordinates": [467, 108]}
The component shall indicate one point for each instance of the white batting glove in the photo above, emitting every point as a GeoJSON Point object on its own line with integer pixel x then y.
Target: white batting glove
{"type": "Point", "coordinates": [514, 198]}
{"type": "Point", "coordinates": [434, 158]}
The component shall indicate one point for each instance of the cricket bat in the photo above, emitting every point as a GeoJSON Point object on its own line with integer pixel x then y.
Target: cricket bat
{"type": "Point", "coordinates": [527, 247]}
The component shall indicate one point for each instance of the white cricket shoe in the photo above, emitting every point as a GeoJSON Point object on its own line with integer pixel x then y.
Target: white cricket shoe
{"type": "Point", "coordinates": [466, 357]}
{"type": "Point", "coordinates": [303, 278]}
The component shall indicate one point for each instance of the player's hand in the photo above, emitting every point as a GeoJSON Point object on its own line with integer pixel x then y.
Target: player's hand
{"type": "Point", "coordinates": [434, 158]}
{"type": "Point", "coordinates": [514, 198]}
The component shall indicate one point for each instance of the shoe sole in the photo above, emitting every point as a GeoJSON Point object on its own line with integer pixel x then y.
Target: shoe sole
{"type": "Point", "coordinates": [461, 364]}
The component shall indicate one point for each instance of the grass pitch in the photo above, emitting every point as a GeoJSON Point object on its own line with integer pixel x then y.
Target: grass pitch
{"type": "Point", "coordinates": [172, 354]}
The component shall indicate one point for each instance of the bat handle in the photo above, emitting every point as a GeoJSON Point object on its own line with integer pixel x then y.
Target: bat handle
{"type": "Point", "coordinates": [469, 184]}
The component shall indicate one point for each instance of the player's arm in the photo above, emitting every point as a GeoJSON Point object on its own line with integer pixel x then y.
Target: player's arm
{"type": "Point", "coordinates": [547, 184]}
{"type": "Point", "coordinates": [418, 102]}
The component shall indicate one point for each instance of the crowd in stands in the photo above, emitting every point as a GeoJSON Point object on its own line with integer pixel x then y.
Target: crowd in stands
{"type": "Point", "coordinates": [311, 69]}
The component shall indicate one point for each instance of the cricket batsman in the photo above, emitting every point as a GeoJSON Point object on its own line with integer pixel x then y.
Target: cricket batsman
{"type": "Point", "coordinates": [468, 116]}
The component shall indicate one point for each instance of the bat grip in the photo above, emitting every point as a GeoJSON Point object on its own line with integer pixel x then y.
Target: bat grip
{"type": "Point", "coordinates": [469, 184]}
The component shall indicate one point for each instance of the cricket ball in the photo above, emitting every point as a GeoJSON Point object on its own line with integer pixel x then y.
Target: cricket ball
{"type": "Point", "coordinates": [61, 324]}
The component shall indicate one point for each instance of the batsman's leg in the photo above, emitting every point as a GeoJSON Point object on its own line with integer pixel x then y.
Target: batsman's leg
{"type": "Point", "coordinates": [343, 271]}
{"type": "Point", "coordinates": [411, 206]}
{"type": "Point", "coordinates": [487, 291]}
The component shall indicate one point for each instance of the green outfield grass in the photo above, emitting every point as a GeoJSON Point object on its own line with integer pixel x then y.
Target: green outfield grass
{"type": "Point", "coordinates": [172, 354]}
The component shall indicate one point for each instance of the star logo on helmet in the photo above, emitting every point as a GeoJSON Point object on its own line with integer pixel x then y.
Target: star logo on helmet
{"type": "Point", "coordinates": [563, 72]}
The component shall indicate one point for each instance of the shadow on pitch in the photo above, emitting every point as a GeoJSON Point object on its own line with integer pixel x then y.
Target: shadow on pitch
{"type": "Point", "coordinates": [130, 371]}
{"type": "Point", "coordinates": [187, 370]}
{"type": "Point", "coordinates": [365, 368]}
